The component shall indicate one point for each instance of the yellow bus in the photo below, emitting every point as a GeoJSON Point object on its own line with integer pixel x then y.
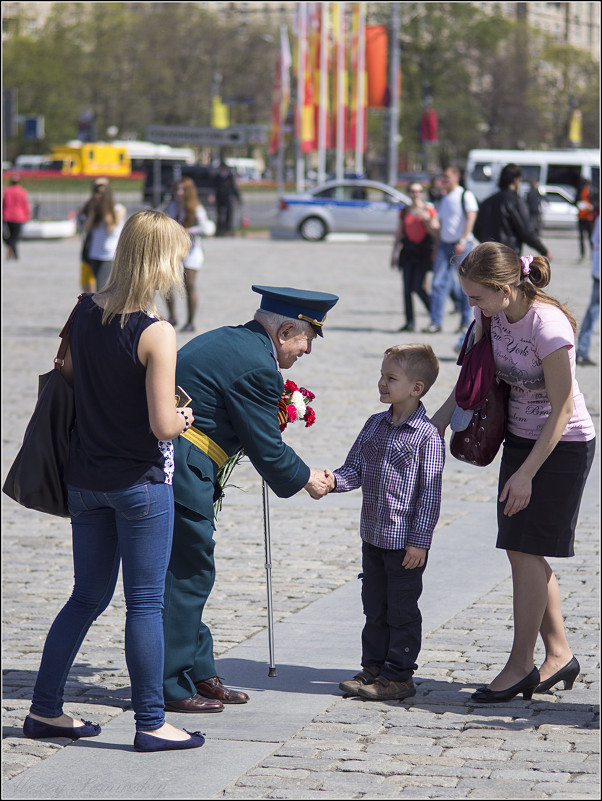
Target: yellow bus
{"type": "Point", "coordinates": [90, 159]}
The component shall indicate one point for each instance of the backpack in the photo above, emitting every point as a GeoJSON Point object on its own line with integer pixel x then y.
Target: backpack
{"type": "Point", "coordinates": [464, 191]}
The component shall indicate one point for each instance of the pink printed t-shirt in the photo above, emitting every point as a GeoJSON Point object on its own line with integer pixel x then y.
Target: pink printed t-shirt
{"type": "Point", "coordinates": [414, 227]}
{"type": "Point", "coordinates": [518, 350]}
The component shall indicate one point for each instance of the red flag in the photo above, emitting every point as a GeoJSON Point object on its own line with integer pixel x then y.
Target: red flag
{"type": "Point", "coordinates": [376, 62]}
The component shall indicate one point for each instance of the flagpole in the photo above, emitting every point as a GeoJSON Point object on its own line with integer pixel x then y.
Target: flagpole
{"type": "Point", "coordinates": [360, 106]}
{"type": "Point", "coordinates": [323, 89]}
{"type": "Point", "coordinates": [301, 47]}
{"type": "Point", "coordinates": [340, 85]}
{"type": "Point", "coordinates": [281, 114]}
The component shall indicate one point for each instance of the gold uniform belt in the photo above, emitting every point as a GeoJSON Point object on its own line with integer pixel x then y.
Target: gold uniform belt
{"type": "Point", "coordinates": [207, 445]}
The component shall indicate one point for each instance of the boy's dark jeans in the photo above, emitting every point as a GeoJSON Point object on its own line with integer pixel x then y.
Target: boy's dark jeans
{"type": "Point", "coordinates": [392, 633]}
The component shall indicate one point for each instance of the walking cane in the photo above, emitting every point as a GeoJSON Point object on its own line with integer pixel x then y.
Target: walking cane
{"type": "Point", "coordinates": [268, 570]}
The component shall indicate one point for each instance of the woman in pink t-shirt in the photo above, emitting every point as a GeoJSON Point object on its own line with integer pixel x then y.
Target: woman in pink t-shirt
{"type": "Point", "coordinates": [547, 455]}
{"type": "Point", "coordinates": [416, 234]}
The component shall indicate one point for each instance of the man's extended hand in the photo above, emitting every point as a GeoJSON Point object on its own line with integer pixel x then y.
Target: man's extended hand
{"type": "Point", "coordinates": [320, 483]}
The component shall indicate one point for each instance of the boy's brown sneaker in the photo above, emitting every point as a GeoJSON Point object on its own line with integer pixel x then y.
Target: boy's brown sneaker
{"type": "Point", "coordinates": [361, 679]}
{"type": "Point", "coordinates": [384, 690]}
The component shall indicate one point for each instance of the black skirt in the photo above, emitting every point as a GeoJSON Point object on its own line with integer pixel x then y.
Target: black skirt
{"type": "Point", "coordinates": [547, 526]}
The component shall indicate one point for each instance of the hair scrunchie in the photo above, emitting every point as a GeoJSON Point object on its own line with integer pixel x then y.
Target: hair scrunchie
{"type": "Point", "coordinates": [526, 266]}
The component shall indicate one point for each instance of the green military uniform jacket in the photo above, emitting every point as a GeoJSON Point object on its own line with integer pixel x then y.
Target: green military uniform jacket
{"type": "Point", "coordinates": [232, 376]}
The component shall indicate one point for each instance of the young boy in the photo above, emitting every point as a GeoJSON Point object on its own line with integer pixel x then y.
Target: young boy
{"type": "Point", "coordinates": [398, 461]}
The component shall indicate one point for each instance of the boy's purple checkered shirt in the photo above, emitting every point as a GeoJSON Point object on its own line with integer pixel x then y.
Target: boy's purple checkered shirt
{"type": "Point", "coordinates": [399, 468]}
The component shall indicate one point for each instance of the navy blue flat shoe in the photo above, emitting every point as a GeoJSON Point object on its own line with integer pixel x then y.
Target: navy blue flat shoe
{"type": "Point", "coordinates": [568, 674]}
{"type": "Point", "coordinates": [144, 742]}
{"type": "Point", "coordinates": [525, 686]}
{"type": "Point", "coordinates": [36, 730]}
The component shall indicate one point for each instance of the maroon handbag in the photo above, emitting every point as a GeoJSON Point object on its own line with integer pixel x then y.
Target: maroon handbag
{"type": "Point", "coordinates": [479, 389]}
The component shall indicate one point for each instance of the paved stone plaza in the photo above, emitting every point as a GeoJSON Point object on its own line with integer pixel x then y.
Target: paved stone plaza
{"type": "Point", "coordinates": [297, 737]}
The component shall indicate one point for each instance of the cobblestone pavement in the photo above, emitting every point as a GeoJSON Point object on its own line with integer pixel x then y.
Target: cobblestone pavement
{"type": "Point", "coordinates": [436, 746]}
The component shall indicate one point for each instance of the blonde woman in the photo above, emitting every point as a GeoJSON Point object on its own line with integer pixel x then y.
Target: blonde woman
{"type": "Point", "coordinates": [189, 212]}
{"type": "Point", "coordinates": [547, 455]}
{"type": "Point", "coordinates": [121, 362]}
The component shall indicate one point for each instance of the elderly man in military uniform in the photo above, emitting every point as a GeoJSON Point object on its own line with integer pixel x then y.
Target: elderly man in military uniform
{"type": "Point", "coordinates": [233, 376]}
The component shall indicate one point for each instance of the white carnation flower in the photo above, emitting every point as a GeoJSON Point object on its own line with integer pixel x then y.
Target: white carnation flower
{"type": "Point", "coordinates": [299, 403]}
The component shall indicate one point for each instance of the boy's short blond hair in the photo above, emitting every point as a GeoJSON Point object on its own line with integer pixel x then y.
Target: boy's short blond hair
{"type": "Point", "coordinates": [417, 361]}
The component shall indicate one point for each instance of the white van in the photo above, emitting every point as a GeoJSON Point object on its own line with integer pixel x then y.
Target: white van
{"type": "Point", "coordinates": [246, 169]}
{"type": "Point", "coordinates": [31, 162]}
{"type": "Point", "coordinates": [563, 168]}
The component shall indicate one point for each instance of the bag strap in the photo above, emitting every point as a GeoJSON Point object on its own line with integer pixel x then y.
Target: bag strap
{"type": "Point", "coordinates": [470, 333]}
{"type": "Point", "coordinates": [486, 327]}
{"type": "Point", "coordinates": [59, 361]}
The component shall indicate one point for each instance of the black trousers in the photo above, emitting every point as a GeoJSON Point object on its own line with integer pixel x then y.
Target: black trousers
{"type": "Point", "coordinates": [413, 279]}
{"type": "Point", "coordinates": [224, 219]}
{"type": "Point", "coordinates": [586, 229]}
{"type": "Point", "coordinates": [392, 634]}
{"type": "Point", "coordinates": [12, 235]}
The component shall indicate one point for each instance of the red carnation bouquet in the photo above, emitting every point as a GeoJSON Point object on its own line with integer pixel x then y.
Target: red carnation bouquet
{"type": "Point", "coordinates": [294, 405]}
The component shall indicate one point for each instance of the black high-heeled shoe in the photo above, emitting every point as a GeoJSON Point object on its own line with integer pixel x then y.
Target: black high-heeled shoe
{"type": "Point", "coordinates": [525, 686]}
{"type": "Point", "coordinates": [568, 674]}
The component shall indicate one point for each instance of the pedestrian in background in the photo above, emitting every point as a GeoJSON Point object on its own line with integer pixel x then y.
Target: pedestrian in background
{"type": "Point", "coordinates": [593, 310]}
{"type": "Point", "coordinates": [104, 223]}
{"type": "Point", "coordinates": [504, 216]}
{"type": "Point", "coordinates": [401, 500]}
{"type": "Point", "coordinates": [413, 250]}
{"type": "Point", "coordinates": [436, 191]}
{"type": "Point", "coordinates": [586, 216]}
{"type": "Point", "coordinates": [457, 215]}
{"type": "Point", "coordinates": [534, 203]}
{"type": "Point", "coordinates": [121, 361]}
{"type": "Point", "coordinates": [16, 210]}
{"type": "Point", "coordinates": [226, 191]}
{"type": "Point", "coordinates": [548, 451]}
{"type": "Point", "coordinates": [87, 279]}
{"type": "Point", "coordinates": [189, 212]}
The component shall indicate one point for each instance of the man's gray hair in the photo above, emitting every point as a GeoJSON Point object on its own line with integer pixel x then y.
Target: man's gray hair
{"type": "Point", "coordinates": [272, 322]}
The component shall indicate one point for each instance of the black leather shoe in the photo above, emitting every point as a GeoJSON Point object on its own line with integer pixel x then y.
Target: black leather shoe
{"type": "Point", "coordinates": [194, 704]}
{"type": "Point", "coordinates": [213, 688]}
{"type": "Point", "coordinates": [37, 729]}
{"type": "Point", "coordinates": [144, 742]}
{"type": "Point", "coordinates": [568, 674]}
{"type": "Point", "coordinates": [525, 686]}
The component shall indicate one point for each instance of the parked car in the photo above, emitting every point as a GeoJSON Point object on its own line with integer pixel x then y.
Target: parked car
{"type": "Point", "coordinates": [558, 209]}
{"type": "Point", "coordinates": [357, 206]}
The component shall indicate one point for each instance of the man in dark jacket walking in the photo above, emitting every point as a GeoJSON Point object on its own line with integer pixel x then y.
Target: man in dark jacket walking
{"type": "Point", "coordinates": [225, 192]}
{"type": "Point", "coordinates": [504, 216]}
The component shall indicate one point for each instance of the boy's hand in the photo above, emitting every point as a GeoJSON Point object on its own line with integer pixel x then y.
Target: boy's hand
{"type": "Point", "coordinates": [331, 480]}
{"type": "Point", "coordinates": [414, 557]}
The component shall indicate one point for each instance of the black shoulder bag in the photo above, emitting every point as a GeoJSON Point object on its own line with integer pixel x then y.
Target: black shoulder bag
{"type": "Point", "coordinates": [36, 477]}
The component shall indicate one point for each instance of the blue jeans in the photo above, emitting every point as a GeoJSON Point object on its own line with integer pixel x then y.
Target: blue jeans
{"type": "Point", "coordinates": [134, 526]}
{"type": "Point", "coordinates": [444, 276]}
{"type": "Point", "coordinates": [589, 321]}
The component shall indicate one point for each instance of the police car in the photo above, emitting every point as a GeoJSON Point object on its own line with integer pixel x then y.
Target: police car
{"type": "Point", "coordinates": [347, 206]}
